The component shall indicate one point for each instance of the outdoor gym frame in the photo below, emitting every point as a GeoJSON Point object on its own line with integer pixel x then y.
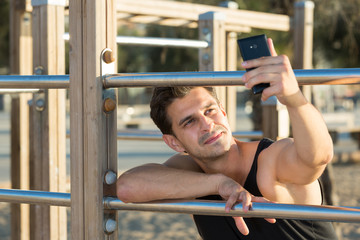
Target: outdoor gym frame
{"type": "Point", "coordinates": [93, 137]}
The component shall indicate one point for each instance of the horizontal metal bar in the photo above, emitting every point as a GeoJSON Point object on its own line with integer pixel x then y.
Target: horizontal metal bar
{"type": "Point", "coordinates": [161, 42]}
{"type": "Point", "coordinates": [339, 76]}
{"type": "Point", "coordinates": [35, 3]}
{"type": "Point", "coordinates": [34, 81]}
{"type": "Point", "coordinates": [262, 210]}
{"type": "Point", "coordinates": [20, 90]}
{"type": "Point", "coordinates": [155, 42]}
{"type": "Point", "coordinates": [157, 135]}
{"type": "Point", "coordinates": [35, 197]}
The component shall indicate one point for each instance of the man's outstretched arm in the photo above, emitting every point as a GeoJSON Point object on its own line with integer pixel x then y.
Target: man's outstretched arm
{"type": "Point", "coordinates": [303, 159]}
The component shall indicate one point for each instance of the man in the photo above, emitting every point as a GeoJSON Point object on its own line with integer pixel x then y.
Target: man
{"type": "Point", "coordinates": [214, 164]}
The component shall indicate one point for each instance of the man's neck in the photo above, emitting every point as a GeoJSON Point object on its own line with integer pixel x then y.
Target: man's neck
{"type": "Point", "coordinates": [227, 164]}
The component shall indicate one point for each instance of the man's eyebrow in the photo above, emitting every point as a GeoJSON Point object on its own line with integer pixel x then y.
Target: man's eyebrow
{"type": "Point", "coordinates": [181, 122]}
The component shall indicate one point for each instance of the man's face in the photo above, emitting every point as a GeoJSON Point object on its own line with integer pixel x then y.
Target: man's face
{"type": "Point", "coordinates": [200, 125]}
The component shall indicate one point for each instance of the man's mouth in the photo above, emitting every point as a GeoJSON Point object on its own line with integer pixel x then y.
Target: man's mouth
{"type": "Point", "coordinates": [213, 138]}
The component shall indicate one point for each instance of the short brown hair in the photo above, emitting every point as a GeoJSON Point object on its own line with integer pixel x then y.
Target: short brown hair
{"type": "Point", "coordinates": [161, 99]}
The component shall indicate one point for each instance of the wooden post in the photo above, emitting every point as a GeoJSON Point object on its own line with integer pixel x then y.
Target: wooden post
{"type": "Point", "coordinates": [20, 63]}
{"type": "Point", "coordinates": [213, 58]}
{"type": "Point", "coordinates": [231, 60]}
{"type": "Point", "coordinates": [48, 132]}
{"type": "Point", "coordinates": [275, 122]}
{"type": "Point", "coordinates": [303, 39]}
{"type": "Point", "coordinates": [92, 29]}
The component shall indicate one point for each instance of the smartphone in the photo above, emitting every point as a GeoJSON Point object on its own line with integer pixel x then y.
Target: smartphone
{"type": "Point", "coordinates": [252, 48]}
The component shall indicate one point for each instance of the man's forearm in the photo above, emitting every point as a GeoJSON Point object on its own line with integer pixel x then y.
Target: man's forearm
{"type": "Point", "coordinates": [312, 140]}
{"type": "Point", "coordinates": [156, 181]}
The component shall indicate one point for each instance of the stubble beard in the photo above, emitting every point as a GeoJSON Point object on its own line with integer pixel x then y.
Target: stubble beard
{"type": "Point", "coordinates": [214, 151]}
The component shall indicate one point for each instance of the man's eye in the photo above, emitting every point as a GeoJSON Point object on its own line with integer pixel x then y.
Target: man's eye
{"type": "Point", "coordinates": [189, 122]}
{"type": "Point", "coordinates": [210, 110]}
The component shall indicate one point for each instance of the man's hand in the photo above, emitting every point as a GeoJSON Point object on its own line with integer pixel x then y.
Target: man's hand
{"type": "Point", "coordinates": [233, 192]}
{"type": "Point", "coordinates": [277, 71]}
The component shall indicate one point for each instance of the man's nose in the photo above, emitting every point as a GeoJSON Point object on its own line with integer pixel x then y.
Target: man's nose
{"type": "Point", "coordinates": [206, 123]}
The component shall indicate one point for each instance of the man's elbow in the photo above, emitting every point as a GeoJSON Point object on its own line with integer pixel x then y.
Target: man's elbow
{"type": "Point", "coordinates": [124, 191]}
{"type": "Point", "coordinates": [328, 154]}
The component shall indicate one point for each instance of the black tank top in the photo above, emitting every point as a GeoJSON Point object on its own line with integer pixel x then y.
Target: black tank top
{"type": "Point", "coordinates": [224, 228]}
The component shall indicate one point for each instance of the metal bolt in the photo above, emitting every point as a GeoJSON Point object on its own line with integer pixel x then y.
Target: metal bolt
{"type": "Point", "coordinates": [205, 31]}
{"type": "Point", "coordinates": [110, 226]}
{"type": "Point", "coordinates": [40, 105]}
{"type": "Point", "coordinates": [108, 57]}
{"type": "Point", "coordinates": [110, 177]}
{"type": "Point", "coordinates": [206, 59]}
{"type": "Point", "coordinates": [109, 105]}
{"type": "Point", "coordinates": [39, 70]}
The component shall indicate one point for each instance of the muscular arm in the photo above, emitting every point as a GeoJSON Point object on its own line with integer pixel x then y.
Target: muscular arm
{"type": "Point", "coordinates": [178, 178]}
{"type": "Point", "coordinates": [302, 159]}
{"type": "Point", "coordinates": [181, 178]}
{"type": "Point", "coordinates": [311, 148]}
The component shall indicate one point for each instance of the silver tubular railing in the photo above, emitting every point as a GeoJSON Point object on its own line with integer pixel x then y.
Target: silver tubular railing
{"type": "Point", "coordinates": [262, 210]}
{"type": "Point", "coordinates": [35, 197]}
{"type": "Point", "coordinates": [161, 42]}
{"type": "Point", "coordinates": [340, 76]}
{"type": "Point", "coordinates": [156, 42]}
{"type": "Point", "coordinates": [34, 81]}
{"type": "Point", "coordinates": [18, 90]}
{"type": "Point", "coordinates": [198, 207]}
{"type": "Point", "coordinates": [228, 78]}
{"type": "Point", "coordinates": [157, 135]}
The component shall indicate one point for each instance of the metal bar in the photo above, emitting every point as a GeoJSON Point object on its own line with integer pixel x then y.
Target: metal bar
{"type": "Point", "coordinates": [341, 76]}
{"type": "Point", "coordinates": [157, 135]}
{"type": "Point", "coordinates": [161, 42]}
{"type": "Point", "coordinates": [48, 2]}
{"type": "Point", "coordinates": [35, 197]}
{"type": "Point", "coordinates": [34, 81]}
{"type": "Point", "coordinates": [20, 90]}
{"type": "Point", "coordinates": [217, 208]}
{"type": "Point", "coordinates": [261, 210]}
{"type": "Point", "coordinates": [156, 42]}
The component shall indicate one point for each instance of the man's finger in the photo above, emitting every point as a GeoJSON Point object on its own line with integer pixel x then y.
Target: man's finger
{"type": "Point", "coordinates": [245, 199]}
{"type": "Point", "coordinates": [241, 225]}
{"type": "Point", "coordinates": [271, 47]}
{"type": "Point", "coordinates": [271, 220]}
{"type": "Point", "coordinates": [264, 200]}
{"type": "Point", "coordinates": [231, 201]}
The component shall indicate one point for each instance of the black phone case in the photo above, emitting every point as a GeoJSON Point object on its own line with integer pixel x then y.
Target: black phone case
{"type": "Point", "coordinates": [252, 48]}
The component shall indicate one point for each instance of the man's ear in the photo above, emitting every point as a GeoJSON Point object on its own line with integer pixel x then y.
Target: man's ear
{"type": "Point", "coordinates": [173, 142]}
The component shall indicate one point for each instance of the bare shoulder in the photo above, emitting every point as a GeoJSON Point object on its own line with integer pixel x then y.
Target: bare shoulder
{"type": "Point", "coordinates": [248, 148]}
{"type": "Point", "coordinates": [270, 156]}
{"type": "Point", "coordinates": [183, 161]}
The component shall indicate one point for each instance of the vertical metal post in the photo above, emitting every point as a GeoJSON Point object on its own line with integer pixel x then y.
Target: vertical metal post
{"type": "Point", "coordinates": [48, 112]}
{"type": "Point", "coordinates": [216, 56]}
{"type": "Point", "coordinates": [231, 60]}
{"type": "Point", "coordinates": [213, 58]}
{"type": "Point", "coordinates": [303, 39]}
{"type": "Point", "coordinates": [303, 48]}
{"type": "Point", "coordinates": [20, 63]}
{"type": "Point", "coordinates": [275, 122]}
{"type": "Point", "coordinates": [92, 29]}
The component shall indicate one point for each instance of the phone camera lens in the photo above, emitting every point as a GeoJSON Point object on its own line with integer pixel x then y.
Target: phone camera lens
{"type": "Point", "coordinates": [253, 46]}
